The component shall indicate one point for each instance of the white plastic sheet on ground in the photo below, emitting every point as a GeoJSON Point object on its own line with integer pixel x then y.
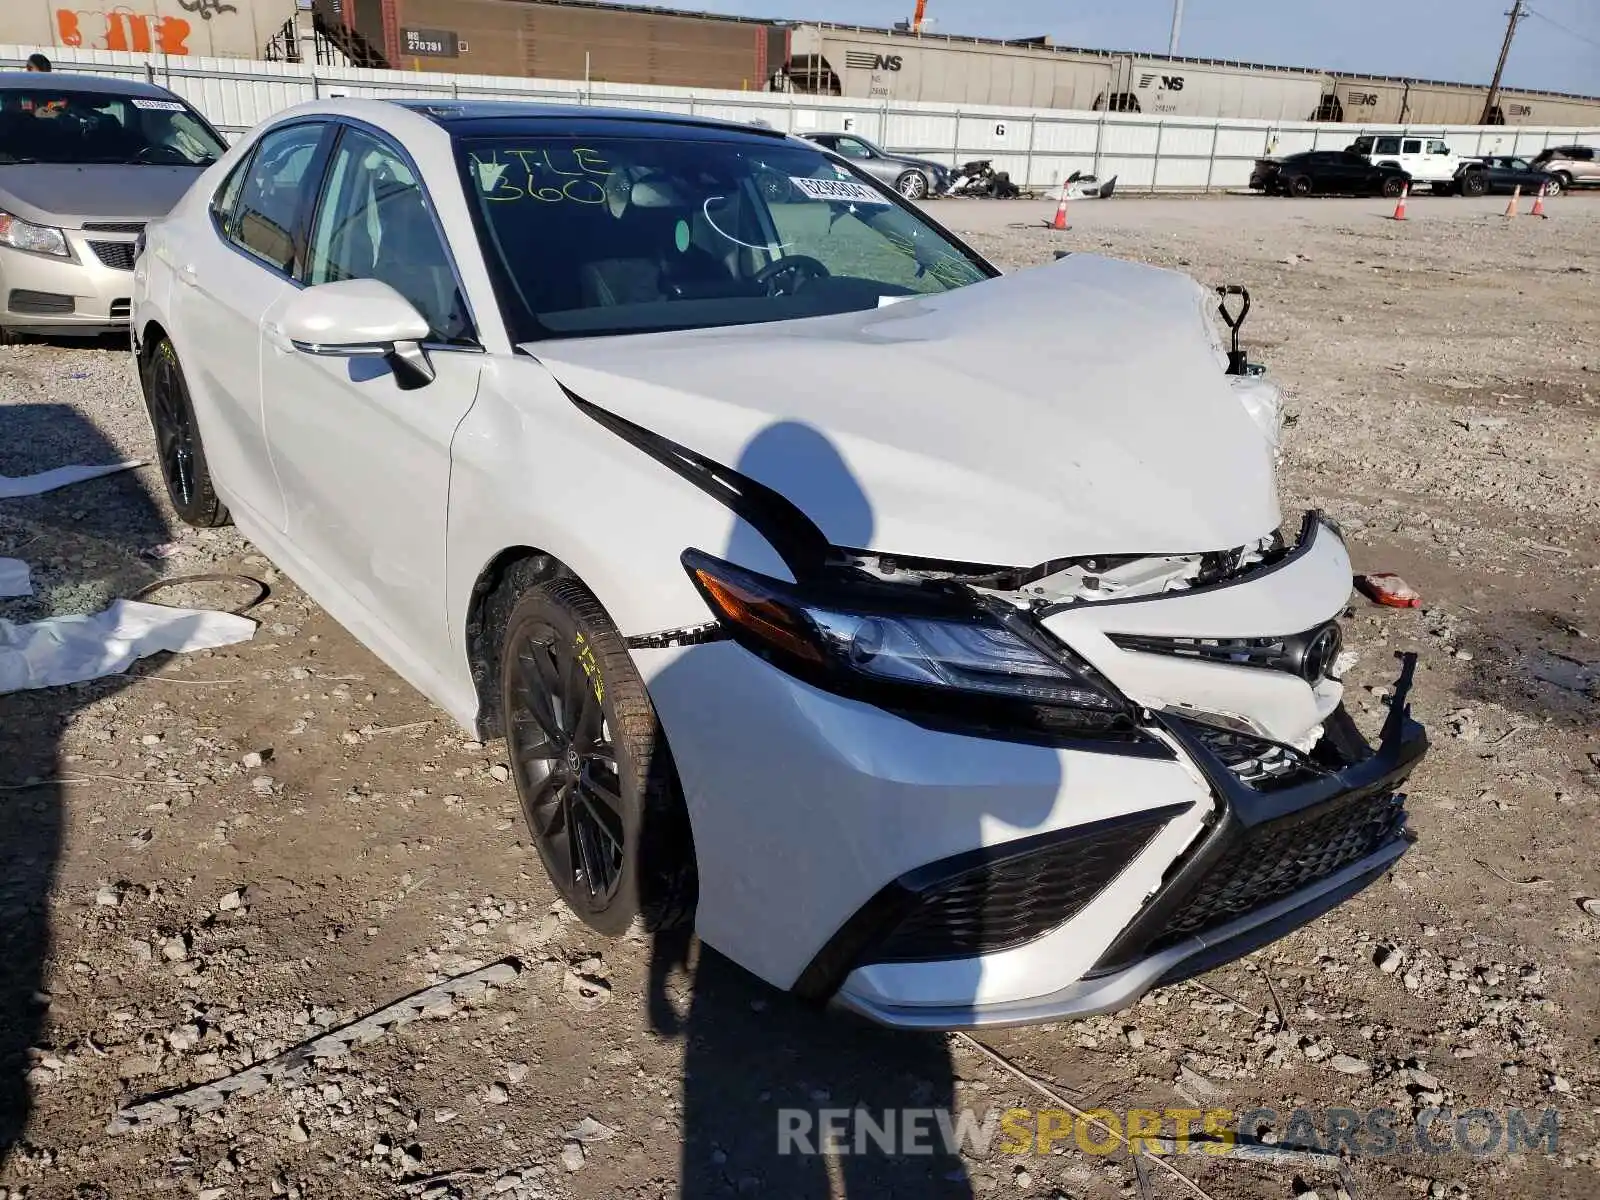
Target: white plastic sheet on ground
{"type": "Point", "coordinates": [72, 649]}
{"type": "Point", "coordinates": [14, 580]}
{"type": "Point", "coordinates": [49, 481]}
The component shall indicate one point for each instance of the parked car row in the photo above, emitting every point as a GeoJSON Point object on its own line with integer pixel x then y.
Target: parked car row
{"type": "Point", "coordinates": [1376, 165]}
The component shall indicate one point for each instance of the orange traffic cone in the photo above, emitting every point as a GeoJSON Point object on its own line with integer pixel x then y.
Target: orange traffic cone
{"type": "Point", "coordinates": [1400, 207]}
{"type": "Point", "coordinates": [1538, 204]}
{"type": "Point", "coordinates": [1511, 205]}
{"type": "Point", "coordinates": [1061, 211]}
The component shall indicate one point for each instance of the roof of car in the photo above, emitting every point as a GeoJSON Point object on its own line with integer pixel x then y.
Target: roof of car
{"type": "Point", "coordinates": [576, 118]}
{"type": "Point", "coordinates": [64, 81]}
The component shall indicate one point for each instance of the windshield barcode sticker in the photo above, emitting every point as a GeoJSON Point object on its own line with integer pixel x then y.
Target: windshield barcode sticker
{"type": "Point", "coordinates": [157, 105]}
{"type": "Point", "coordinates": [838, 189]}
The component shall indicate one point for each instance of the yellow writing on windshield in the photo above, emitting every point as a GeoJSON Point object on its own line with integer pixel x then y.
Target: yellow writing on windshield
{"type": "Point", "coordinates": [549, 176]}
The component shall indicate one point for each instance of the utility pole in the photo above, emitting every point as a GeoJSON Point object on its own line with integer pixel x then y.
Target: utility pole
{"type": "Point", "coordinates": [1518, 11]}
{"type": "Point", "coordinates": [1177, 27]}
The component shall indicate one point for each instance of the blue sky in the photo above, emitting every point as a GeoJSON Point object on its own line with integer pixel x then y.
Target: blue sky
{"type": "Point", "coordinates": [1557, 49]}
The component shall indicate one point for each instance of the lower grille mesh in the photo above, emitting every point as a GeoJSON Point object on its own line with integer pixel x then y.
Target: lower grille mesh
{"type": "Point", "coordinates": [1279, 858]}
{"type": "Point", "coordinates": [1007, 903]}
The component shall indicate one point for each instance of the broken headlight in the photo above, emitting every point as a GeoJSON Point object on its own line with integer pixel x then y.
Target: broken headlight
{"type": "Point", "coordinates": [938, 654]}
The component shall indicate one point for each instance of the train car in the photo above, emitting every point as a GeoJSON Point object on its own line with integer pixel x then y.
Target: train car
{"type": "Point", "coordinates": [573, 39]}
{"type": "Point", "coordinates": [1204, 88]}
{"type": "Point", "coordinates": [177, 28]}
{"type": "Point", "coordinates": [878, 64]}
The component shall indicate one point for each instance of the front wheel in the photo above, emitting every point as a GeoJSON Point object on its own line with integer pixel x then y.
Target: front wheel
{"type": "Point", "coordinates": [593, 772]}
{"type": "Point", "coordinates": [183, 456]}
{"type": "Point", "coordinates": [913, 185]}
{"type": "Point", "coordinates": [1558, 183]}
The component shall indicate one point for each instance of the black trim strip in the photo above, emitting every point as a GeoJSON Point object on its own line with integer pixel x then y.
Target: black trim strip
{"type": "Point", "coordinates": [879, 916]}
{"type": "Point", "coordinates": [802, 546]}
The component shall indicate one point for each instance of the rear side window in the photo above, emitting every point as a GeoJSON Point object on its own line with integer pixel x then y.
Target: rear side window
{"type": "Point", "coordinates": [1388, 146]}
{"type": "Point", "coordinates": [264, 216]}
{"type": "Point", "coordinates": [1413, 146]}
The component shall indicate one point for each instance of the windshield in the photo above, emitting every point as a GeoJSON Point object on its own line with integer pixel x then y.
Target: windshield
{"type": "Point", "coordinates": [51, 125]}
{"type": "Point", "coordinates": [590, 236]}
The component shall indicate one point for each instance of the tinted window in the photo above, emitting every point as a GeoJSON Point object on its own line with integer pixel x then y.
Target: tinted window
{"type": "Point", "coordinates": [374, 223]}
{"type": "Point", "coordinates": [1388, 145]}
{"type": "Point", "coordinates": [1412, 146]}
{"type": "Point", "coordinates": [269, 202]}
{"type": "Point", "coordinates": [55, 125]}
{"type": "Point", "coordinates": [1362, 145]}
{"type": "Point", "coordinates": [607, 235]}
{"type": "Point", "coordinates": [1583, 153]}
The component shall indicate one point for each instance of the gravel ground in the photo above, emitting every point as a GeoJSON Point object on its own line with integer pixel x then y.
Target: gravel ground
{"type": "Point", "coordinates": [235, 851]}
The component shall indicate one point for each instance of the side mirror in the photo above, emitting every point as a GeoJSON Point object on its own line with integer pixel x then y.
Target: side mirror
{"type": "Point", "coordinates": [361, 318]}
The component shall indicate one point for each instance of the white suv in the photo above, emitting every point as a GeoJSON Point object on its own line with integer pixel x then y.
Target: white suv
{"type": "Point", "coordinates": [1426, 160]}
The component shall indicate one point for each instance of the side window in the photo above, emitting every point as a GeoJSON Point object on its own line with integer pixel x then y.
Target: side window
{"type": "Point", "coordinates": [374, 223]}
{"type": "Point", "coordinates": [851, 148]}
{"type": "Point", "coordinates": [1412, 146]}
{"type": "Point", "coordinates": [1388, 145]}
{"type": "Point", "coordinates": [269, 200]}
{"type": "Point", "coordinates": [1437, 147]}
{"type": "Point", "coordinates": [227, 196]}
{"type": "Point", "coordinates": [1583, 153]}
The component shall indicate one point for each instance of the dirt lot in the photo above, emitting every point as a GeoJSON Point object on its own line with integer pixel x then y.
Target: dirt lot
{"type": "Point", "coordinates": [232, 852]}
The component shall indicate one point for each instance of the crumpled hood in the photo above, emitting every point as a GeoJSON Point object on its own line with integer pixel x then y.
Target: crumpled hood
{"type": "Point", "coordinates": [66, 195]}
{"type": "Point", "coordinates": [1068, 410]}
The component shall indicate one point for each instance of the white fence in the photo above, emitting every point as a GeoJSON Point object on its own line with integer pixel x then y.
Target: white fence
{"type": "Point", "coordinates": [1039, 147]}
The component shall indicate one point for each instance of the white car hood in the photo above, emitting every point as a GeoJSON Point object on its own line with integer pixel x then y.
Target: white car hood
{"type": "Point", "coordinates": [1063, 411]}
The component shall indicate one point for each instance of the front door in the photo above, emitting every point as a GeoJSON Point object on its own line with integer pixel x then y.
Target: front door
{"type": "Point", "coordinates": [365, 463]}
{"type": "Point", "coordinates": [227, 275]}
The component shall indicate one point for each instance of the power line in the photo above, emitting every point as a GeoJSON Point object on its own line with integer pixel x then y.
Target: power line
{"type": "Point", "coordinates": [1561, 27]}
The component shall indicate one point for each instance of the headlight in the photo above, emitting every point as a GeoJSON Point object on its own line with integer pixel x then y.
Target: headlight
{"type": "Point", "coordinates": [25, 235]}
{"type": "Point", "coordinates": [914, 651]}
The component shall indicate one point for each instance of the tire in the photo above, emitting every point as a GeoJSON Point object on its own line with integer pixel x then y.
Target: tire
{"type": "Point", "coordinates": [913, 185]}
{"type": "Point", "coordinates": [183, 457]}
{"type": "Point", "coordinates": [1300, 185]}
{"type": "Point", "coordinates": [1559, 182]}
{"type": "Point", "coordinates": [593, 771]}
{"type": "Point", "coordinates": [1473, 183]}
{"type": "Point", "coordinates": [1392, 187]}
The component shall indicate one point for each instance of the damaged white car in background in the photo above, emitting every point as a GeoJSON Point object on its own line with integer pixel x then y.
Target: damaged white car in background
{"type": "Point", "coordinates": [930, 639]}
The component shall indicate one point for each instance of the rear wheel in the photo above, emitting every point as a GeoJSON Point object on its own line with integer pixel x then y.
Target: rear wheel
{"type": "Point", "coordinates": [1300, 185]}
{"type": "Point", "coordinates": [593, 772]}
{"type": "Point", "coordinates": [183, 457]}
{"type": "Point", "coordinates": [1474, 183]}
{"type": "Point", "coordinates": [1393, 186]}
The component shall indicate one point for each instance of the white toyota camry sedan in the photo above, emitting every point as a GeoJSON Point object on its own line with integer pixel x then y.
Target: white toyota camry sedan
{"type": "Point", "coordinates": [930, 638]}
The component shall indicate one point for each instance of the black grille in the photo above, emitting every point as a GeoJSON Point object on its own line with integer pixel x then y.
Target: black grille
{"type": "Point", "coordinates": [23, 301]}
{"type": "Point", "coordinates": [114, 226]}
{"type": "Point", "coordinates": [1010, 901]}
{"type": "Point", "coordinates": [121, 310]}
{"type": "Point", "coordinates": [118, 255]}
{"type": "Point", "coordinates": [1278, 858]}
{"type": "Point", "coordinates": [1310, 655]}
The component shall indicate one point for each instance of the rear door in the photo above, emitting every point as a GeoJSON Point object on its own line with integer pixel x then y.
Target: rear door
{"type": "Point", "coordinates": [365, 463]}
{"type": "Point", "coordinates": [226, 276]}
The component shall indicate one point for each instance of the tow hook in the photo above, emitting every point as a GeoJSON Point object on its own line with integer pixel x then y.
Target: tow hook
{"type": "Point", "coordinates": [1238, 360]}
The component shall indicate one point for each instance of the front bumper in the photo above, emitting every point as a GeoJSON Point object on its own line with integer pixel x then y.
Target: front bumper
{"type": "Point", "coordinates": [88, 293]}
{"type": "Point", "coordinates": [1158, 947]}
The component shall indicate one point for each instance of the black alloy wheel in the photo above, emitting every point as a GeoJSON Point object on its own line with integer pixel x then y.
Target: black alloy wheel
{"type": "Point", "coordinates": [1300, 185]}
{"type": "Point", "coordinates": [178, 446]}
{"type": "Point", "coordinates": [1393, 185]}
{"type": "Point", "coordinates": [592, 771]}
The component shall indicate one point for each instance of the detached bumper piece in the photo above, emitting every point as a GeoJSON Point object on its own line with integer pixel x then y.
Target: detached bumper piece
{"type": "Point", "coordinates": [1282, 849]}
{"type": "Point", "coordinates": [1277, 837]}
